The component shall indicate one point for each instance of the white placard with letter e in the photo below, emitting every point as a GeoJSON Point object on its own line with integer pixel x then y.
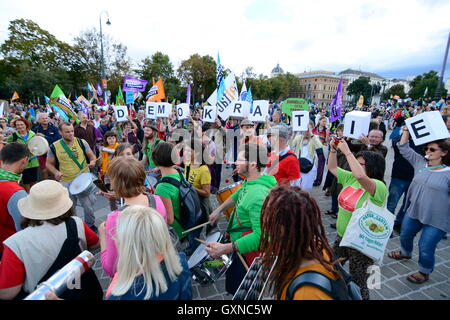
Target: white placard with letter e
{"type": "Point", "coordinates": [300, 121]}
{"type": "Point", "coordinates": [182, 111]}
{"type": "Point", "coordinates": [427, 127]}
{"type": "Point", "coordinates": [356, 123]}
{"type": "Point", "coordinates": [150, 110]}
{"type": "Point", "coordinates": [121, 113]}
{"type": "Point", "coordinates": [209, 113]}
{"type": "Point", "coordinates": [259, 111]}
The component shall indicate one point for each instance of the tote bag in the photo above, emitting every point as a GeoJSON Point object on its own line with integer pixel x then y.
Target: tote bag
{"type": "Point", "coordinates": [369, 230]}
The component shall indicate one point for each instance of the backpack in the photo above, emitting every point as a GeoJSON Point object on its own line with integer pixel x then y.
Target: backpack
{"type": "Point", "coordinates": [343, 288]}
{"type": "Point", "coordinates": [190, 209]}
{"type": "Point", "coordinates": [81, 144]}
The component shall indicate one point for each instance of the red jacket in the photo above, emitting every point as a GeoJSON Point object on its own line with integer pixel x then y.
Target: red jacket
{"type": "Point", "coordinates": [7, 225]}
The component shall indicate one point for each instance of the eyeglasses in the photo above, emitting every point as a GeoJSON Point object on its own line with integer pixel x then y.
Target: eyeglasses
{"type": "Point", "coordinates": [431, 149]}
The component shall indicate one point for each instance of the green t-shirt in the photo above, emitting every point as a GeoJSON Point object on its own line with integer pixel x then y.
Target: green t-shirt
{"type": "Point", "coordinates": [353, 196]}
{"type": "Point", "coordinates": [148, 152]}
{"type": "Point", "coordinates": [166, 190]}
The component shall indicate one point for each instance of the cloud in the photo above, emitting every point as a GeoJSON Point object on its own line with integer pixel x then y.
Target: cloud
{"type": "Point", "coordinates": [320, 34]}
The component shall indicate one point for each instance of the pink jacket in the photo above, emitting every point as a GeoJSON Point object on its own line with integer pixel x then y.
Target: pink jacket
{"type": "Point", "coordinates": [109, 255]}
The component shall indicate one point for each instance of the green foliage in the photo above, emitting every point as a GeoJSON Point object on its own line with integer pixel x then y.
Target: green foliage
{"type": "Point", "coordinates": [420, 83]}
{"type": "Point", "coordinates": [397, 89]}
{"type": "Point", "coordinates": [362, 86]}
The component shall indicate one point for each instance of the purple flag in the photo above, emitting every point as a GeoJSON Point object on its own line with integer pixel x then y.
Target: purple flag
{"type": "Point", "coordinates": [99, 90]}
{"type": "Point", "coordinates": [188, 95]}
{"type": "Point", "coordinates": [336, 104]}
{"type": "Point", "coordinates": [134, 85]}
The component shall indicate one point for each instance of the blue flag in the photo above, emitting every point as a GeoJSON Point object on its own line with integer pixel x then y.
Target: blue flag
{"type": "Point", "coordinates": [129, 97]}
{"type": "Point", "coordinates": [219, 79]}
{"type": "Point", "coordinates": [250, 99]}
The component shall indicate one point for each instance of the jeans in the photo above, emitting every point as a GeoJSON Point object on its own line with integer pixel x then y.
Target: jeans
{"type": "Point", "coordinates": [334, 204]}
{"type": "Point", "coordinates": [397, 188]}
{"type": "Point", "coordinates": [428, 242]}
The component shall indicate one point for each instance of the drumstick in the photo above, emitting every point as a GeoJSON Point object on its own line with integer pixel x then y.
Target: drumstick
{"type": "Point", "coordinates": [243, 261]}
{"type": "Point", "coordinates": [206, 244]}
{"type": "Point", "coordinates": [20, 179]}
{"type": "Point", "coordinates": [200, 225]}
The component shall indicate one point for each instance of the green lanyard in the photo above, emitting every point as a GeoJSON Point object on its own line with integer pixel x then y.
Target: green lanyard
{"type": "Point", "coordinates": [69, 152]}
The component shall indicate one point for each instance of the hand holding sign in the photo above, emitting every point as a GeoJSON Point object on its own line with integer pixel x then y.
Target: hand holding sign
{"type": "Point", "coordinates": [356, 123]}
{"type": "Point", "coordinates": [209, 114]}
{"type": "Point", "coordinates": [182, 111]}
{"type": "Point", "coordinates": [300, 121]}
{"type": "Point", "coordinates": [121, 113]}
{"type": "Point", "coordinates": [427, 127]}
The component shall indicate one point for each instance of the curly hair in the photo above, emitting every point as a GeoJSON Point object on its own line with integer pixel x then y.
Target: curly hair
{"type": "Point", "coordinates": [292, 230]}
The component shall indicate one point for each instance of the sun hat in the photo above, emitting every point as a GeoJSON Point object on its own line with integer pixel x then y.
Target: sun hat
{"type": "Point", "coordinates": [47, 200]}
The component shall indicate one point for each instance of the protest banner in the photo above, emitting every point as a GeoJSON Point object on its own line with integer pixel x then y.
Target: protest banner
{"type": "Point", "coordinates": [163, 109]}
{"type": "Point", "coordinates": [336, 104]}
{"type": "Point", "coordinates": [300, 121]}
{"type": "Point", "coordinates": [129, 97]}
{"type": "Point", "coordinates": [150, 110]}
{"type": "Point", "coordinates": [427, 127]}
{"type": "Point", "coordinates": [230, 94]}
{"type": "Point", "coordinates": [156, 92]}
{"type": "Point", "coordinates": [294, 104]}
{"type": "Point", "coordinates": [131, 84]}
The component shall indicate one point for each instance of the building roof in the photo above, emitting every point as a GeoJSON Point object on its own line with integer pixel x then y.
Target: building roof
{"type": "Point", "coordinates": [277, 69]}
{"type": "Point", "coordinates": [360, 73]}
{"type": "Point", "coordinates": [318, 73]}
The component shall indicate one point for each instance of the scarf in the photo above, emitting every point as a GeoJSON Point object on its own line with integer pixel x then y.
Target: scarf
{"type": "Point", "coordinates": [9, 176]}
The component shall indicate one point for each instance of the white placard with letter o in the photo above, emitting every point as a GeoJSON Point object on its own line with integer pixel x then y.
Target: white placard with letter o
{"type": "Point", "coordinates": [427, 127]}
{"type": "Point", "coordinates": [300, 121]}
{"type": "Point", "coordinates": [182, 111]}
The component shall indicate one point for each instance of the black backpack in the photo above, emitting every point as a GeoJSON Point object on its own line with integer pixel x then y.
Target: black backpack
{"type": "Point", "coordinates": [343, 288]}
{"type": "Point", "coordinates": [190, 209]}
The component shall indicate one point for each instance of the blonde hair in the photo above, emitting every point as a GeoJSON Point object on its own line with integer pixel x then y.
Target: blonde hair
{"type": "Point", "coordinates": [141, 235]}
{"type": "Point", "coordinates": [127, 177]}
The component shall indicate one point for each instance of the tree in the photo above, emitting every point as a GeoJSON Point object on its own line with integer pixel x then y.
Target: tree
{"type": "Point", "coordinates": [421, 83]}
{"type": "Point", "coordinates": [157, 66]}
{"type": "Point", "coordinates": [200, 72]}
{"type": "Point", "coordinates": [396, 90]}
{"type": "Point", "coordinates": [362, 86]}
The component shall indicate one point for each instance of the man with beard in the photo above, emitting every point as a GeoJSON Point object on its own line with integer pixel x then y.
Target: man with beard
{"type": "Point", "coordinates": [151, 140]}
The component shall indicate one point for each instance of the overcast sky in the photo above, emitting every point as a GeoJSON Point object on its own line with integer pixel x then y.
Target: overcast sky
{"type": "Point", "coordinates": [389, 37]}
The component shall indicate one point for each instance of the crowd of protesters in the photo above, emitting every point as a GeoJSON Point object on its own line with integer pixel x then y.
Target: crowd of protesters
{"type": "Point", "coordinates": [135, 162]}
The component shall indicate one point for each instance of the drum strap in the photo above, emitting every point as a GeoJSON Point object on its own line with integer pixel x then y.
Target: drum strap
{"type": "Point", "coordinates": [69, 152]}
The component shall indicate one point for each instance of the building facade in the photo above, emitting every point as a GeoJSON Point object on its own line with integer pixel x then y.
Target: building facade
{"type": "Point", "coordinates": [351, 75]}
{"type": "Point", "coordinates": [319, 87]}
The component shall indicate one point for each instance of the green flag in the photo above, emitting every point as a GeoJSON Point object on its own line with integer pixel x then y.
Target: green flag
{"type": "Point", "coordinates": [120, 101]}
{"type": "Point", "coordinates": [59, 100]}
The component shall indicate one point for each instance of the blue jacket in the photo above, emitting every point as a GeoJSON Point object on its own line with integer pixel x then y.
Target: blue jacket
{"type": "Point", "coordinates": [51, 134]}
{"type": "Point", "coordinates": [180, 289]}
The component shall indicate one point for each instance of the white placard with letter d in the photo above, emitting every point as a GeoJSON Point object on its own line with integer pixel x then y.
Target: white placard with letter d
{"type": "Point", "coordinates": [427, 127]}
{"type": "Point", "coordinates": [150, 110]}
{"type": "Point", "coordinates": [121, 113]}
{"type": "Point", "coordinates": [182, 111]}
{"type": "Point", "coordinates": [300, 121]}
{"type": "Point", "coordinates": [356, 123]}
{"type": "Point", "coordinates": [209, 114]}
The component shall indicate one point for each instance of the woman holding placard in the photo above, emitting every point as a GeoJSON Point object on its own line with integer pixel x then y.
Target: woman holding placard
{"type": "Point", "coordinates": [426, 205]}
{"type": "Point", "coordinates": [363, 183]}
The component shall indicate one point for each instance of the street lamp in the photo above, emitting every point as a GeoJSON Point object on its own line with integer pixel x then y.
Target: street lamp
{"type": "Point", "coordinates": [102, 64]}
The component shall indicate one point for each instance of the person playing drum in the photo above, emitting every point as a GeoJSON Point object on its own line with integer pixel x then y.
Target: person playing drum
{"type": "Point", "coordinates": [66, 159]}
{"type": "Point", "coordinates": [244, 224]}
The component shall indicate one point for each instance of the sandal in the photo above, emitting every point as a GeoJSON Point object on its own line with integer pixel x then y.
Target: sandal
{"type": "Point", "coordinates": [397, 255]}
{"type": "Point", "coordinates": [418, 277]}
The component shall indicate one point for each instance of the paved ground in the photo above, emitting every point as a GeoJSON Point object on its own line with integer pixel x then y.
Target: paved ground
{"type": "Point", "coordinates": [394, 285]}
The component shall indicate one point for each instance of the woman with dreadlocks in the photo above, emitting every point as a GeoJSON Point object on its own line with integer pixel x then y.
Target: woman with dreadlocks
{"type": "Point", "coordinates": [292, 229]}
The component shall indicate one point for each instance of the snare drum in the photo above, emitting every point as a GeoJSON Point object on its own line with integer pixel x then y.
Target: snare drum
{"type": "Point", "coordinates": [83, 185]}
{"type": "Point", "coordinates": [224, 193]}
{"type": "Point", "coordinates": [204, 269]}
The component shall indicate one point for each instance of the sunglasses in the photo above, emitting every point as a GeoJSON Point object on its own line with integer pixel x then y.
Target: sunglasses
{"type": "Point", "coordinates": [431, 149]}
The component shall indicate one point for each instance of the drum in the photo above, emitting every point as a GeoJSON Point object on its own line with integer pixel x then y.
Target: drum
{"type": "Point", "coordinates": [204, 269]}
{"type": "Point", "coordinates": [38, 146]}
{"type": "Point", "coordinates": [224, 193]}
{"type": "Point", "coordinates": [82, 185]}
